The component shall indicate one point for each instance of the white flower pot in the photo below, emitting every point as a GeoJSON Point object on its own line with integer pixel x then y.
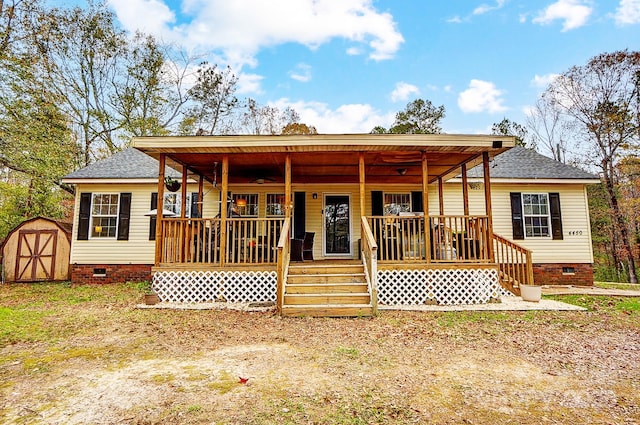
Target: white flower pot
{"type": "Point", "coordinates": [532, 293]}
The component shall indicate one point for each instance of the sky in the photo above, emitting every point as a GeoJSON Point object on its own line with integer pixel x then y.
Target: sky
{"type": "Point", "coordinates": [347, 66]}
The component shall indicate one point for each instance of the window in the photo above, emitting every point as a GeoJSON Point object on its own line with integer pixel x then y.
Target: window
{"type": "Point", "coordinates": [275, 204]}
{"type": "Point", "coordinates": [536, 215]}
{"type": "Point", "coordinates": [535, 211]}
{"type": "Point", "coordinates": [246, 204]}
{"type": "Point", "coordinates": [104, 215]}
{"type": "Point", "coordinates": [395, 203]}
{"type": "Point", "coordinates": [173, 202]}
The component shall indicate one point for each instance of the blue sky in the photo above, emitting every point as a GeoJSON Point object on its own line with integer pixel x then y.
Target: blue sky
{"type": "Point", "coordinates": [349, 65]}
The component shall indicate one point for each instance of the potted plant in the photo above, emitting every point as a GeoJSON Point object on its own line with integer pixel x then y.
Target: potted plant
{"type": "Point", "coordinates": [532, 293]}
{"type": "Point", "coordinates": [171, 184]}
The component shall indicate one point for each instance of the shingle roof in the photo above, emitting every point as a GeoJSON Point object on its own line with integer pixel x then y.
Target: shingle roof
{"type": "Point", "coordinates": [523, 163]}
{"type": "Point", "coordinates": [127, 164]}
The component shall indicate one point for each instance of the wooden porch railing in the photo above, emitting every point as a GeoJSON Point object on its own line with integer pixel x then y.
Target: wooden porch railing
{"type": "Point", "coordinates": [197, 240]}
{"type": "Point", "coordinates": [283, 249]}
{"type": "Point", "coordinates": [370, 260]}
{"type": "Point", "coordinates": [451, 238]}
{"type": "Point", "coordinates": [514, 261]}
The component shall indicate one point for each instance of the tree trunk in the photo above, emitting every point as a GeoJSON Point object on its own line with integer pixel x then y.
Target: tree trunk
{"type": "Point", "coordinates": [621, 226]}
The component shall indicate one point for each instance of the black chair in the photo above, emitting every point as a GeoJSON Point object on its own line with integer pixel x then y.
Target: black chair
{"type": "Point", "coordinates": [296, 250]}
{"type": "Point", "coordinates": [307, 246]}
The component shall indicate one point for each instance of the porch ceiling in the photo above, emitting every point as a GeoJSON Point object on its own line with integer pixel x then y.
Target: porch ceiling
{"type": "Point", "coordinates": [325, 158]}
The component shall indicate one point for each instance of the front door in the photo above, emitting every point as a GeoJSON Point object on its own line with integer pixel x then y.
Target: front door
{"type": "Point", "coordinates": [337, 225]}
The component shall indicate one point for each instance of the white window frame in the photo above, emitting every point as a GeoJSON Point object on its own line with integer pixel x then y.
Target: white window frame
{"type": "Point", "coordinates": [399, 206]}
{"type": "Point", "coordinates": [92, 228]}
{"type": "Point", "coordinates": [243, 210]}
{"type": "Point", "coordinates": [176, 206]}
{"type": "Point", "coordinates": [536, 215]}
{"type": "Point", "coordinates": [281, 204]}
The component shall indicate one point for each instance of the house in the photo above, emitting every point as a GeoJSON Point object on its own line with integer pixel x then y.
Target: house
{"type": "Point", "coordinates": [36, 250]}
{"type": "Point", "coordinates": [331, 224]}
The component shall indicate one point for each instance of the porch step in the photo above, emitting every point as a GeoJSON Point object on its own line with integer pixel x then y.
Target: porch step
{"type": "Point", "coordinates": [327, 290]}
{"type": "Point", "coordinates": [328, 310]}
{"type": "Point", "coordinates": [326, 278]}
{"type": "Point", "coordinates": [327, 298]}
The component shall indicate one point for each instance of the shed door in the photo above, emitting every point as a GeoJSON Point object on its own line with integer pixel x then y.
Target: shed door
{"type": "Point", "coordinates": [36, 257]}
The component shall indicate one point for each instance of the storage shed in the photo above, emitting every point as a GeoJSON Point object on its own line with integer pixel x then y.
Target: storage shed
{"type": "Point", "coordinates": [37, 250]}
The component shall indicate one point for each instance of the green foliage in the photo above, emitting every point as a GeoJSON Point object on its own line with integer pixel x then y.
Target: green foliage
{"type": "Point", "coordinates": [419, 117]}
{"type": "Point", "coordinates": [507, 127]}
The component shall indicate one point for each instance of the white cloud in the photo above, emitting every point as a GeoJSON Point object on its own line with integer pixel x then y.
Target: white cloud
{"type": "Point", "coordinates": [403, 91]}
{"type": "Point", "coordinates": [249, 83]}
{"type": "Point", "coordinates": [628, 13]}
{"type": "Point", "coordinates": [484, 8]}
{"type": "Point", "coordinates": [243, 27]}
{"type": "Point", "coordinates": [481, 96]}
{"type": "Point", "coordinates": [302, 73]}
{"type": "Point", "coordinates": [574, 13]}
{"type": "Point", "coordinates": [455, 20]}
{"type": "Point", "coordinates": [351, 118]}
{"type": "Point", "coordinates": [543, 81]}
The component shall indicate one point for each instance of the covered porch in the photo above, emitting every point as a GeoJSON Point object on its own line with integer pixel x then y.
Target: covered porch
{"type": "Point", "coordinates": [402, 250]}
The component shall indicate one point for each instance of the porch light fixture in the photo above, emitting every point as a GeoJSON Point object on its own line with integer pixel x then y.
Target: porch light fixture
{"type": "Point", "coordinates": [241, 202]}
{"type": "Point", "coordinates": [401, 171]}
{"type": "Point", "coordinates": [314, 195]}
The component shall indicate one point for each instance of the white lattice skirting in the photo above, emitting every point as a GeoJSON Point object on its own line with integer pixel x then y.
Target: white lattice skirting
{"type": "Point", "coordinates": [207, 286]}
{"type": "Point", "coordinates": [443, 286]}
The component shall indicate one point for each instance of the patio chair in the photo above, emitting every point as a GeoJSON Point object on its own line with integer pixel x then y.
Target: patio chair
{"type": "Point", "coordinates": [307, 246]}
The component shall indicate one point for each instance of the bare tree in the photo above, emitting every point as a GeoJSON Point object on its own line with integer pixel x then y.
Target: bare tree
{"type": "Point", "coordinates": [548, 129]}
{"type": "Point", "coordinates": [600, 99]}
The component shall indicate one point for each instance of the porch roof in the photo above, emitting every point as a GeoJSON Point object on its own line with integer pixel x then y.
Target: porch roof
{"type": "Point", "coordinates": [326, 158]}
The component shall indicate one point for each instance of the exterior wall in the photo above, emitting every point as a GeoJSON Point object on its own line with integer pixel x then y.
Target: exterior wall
{"type": "Point", "coordinates": [138, 249]}
{"type": "Point", "coordinates": [63, 247]}
{"type": "Point", "coordinates": [559, 274]}
{"type": "Point", "coordinates": [575, 247]}
{"type": "Point", "coordinates": [113, 273]}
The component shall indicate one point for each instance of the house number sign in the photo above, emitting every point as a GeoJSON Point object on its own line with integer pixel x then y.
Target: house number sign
{"type": "Point", "coordinates": [575, 233]}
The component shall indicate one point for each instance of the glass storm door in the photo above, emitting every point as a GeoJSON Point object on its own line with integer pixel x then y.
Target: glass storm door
{"type": "Point", "coordinates": [337, 225]}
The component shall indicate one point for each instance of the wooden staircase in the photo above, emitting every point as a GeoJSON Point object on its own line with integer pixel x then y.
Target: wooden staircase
{"type": "Point", "coordinates": [327, 289]}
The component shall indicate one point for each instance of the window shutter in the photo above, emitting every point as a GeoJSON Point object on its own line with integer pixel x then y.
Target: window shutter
{"type": "Point", "coordinates": [377, 203]}
{"type": "Point", "coordinates": [517, 221]}
{"type": "Point", "coordinates": [123, 216]}
{"type": "Point", "coordinates": [194, 205]}
{"type": "Point", "coordinates": [84, 216]}
{"type": "Point", "coordinates": [416, 202]}
{"type": "Point", "coordinates": [153, 219]}
{"type": "Point", "coordinates": [556, 217]}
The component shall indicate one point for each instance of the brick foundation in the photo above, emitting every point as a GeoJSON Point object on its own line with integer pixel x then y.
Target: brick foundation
{"type": "Point", "coordinates": [553, 274]}
{"type": "Point", "coordinates": [113, 273]}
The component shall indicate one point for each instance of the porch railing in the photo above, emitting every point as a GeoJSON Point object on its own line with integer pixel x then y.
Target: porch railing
{"type": "Point", "coordinates": [370, 260]}
{"type": "Point", "coordinates": [451, 238]}
{"type": "Point", "coordinates": [197, 240]}
{"type": "Point", "coordinates": [514, 262]}
{"type": "Point", "coordinates": [283, 248]}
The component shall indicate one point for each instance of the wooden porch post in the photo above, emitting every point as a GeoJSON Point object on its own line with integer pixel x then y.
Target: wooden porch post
{"type": "Point", "coordinates": [487, 203]}
{"type": "Point", "coordinates": [200, 203]}
{"type": "Point", "coordinates": [160, 207]}
{"type": "Point", "coordinates": [184, 236]}
{"type": "Point", "coordinates": [465, 190]}
{"type": "Point", "coordinates": [223, 209]}
{"type": "Point", "coordinates": [441, 195]}
{"type": "Point", "coordinates": [425, 207]}
{"type": "Point", "coordinates": [362, 188]}
{"type": "Point", "coordinates": [287, 187]}
{"type": "Point", "coordinates": [183, 201]}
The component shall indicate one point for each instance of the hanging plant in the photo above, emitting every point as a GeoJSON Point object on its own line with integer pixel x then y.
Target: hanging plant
{"type": "Point", "coordinates": [171, 184]}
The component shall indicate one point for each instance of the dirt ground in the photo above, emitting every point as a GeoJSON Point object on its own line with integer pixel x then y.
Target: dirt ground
{"type": "Point", "coordinates": [102, 361]}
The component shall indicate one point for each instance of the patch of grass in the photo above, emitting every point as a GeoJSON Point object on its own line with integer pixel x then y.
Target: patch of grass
{"type": "Point", "coordinates": [461, 318]}
{"type": "Point", "coordinates": [602, 304]}
{"type": "Point", "coordinates": [163, 378]}
{"type": "Point", "coordinates": [225, 383]}
{"type": "Point", "coordinates": [18, 325]}
{"type": "Point", "coordinates": [350, 352]}
{"type": "Point", "coordinates": [616, 285]}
